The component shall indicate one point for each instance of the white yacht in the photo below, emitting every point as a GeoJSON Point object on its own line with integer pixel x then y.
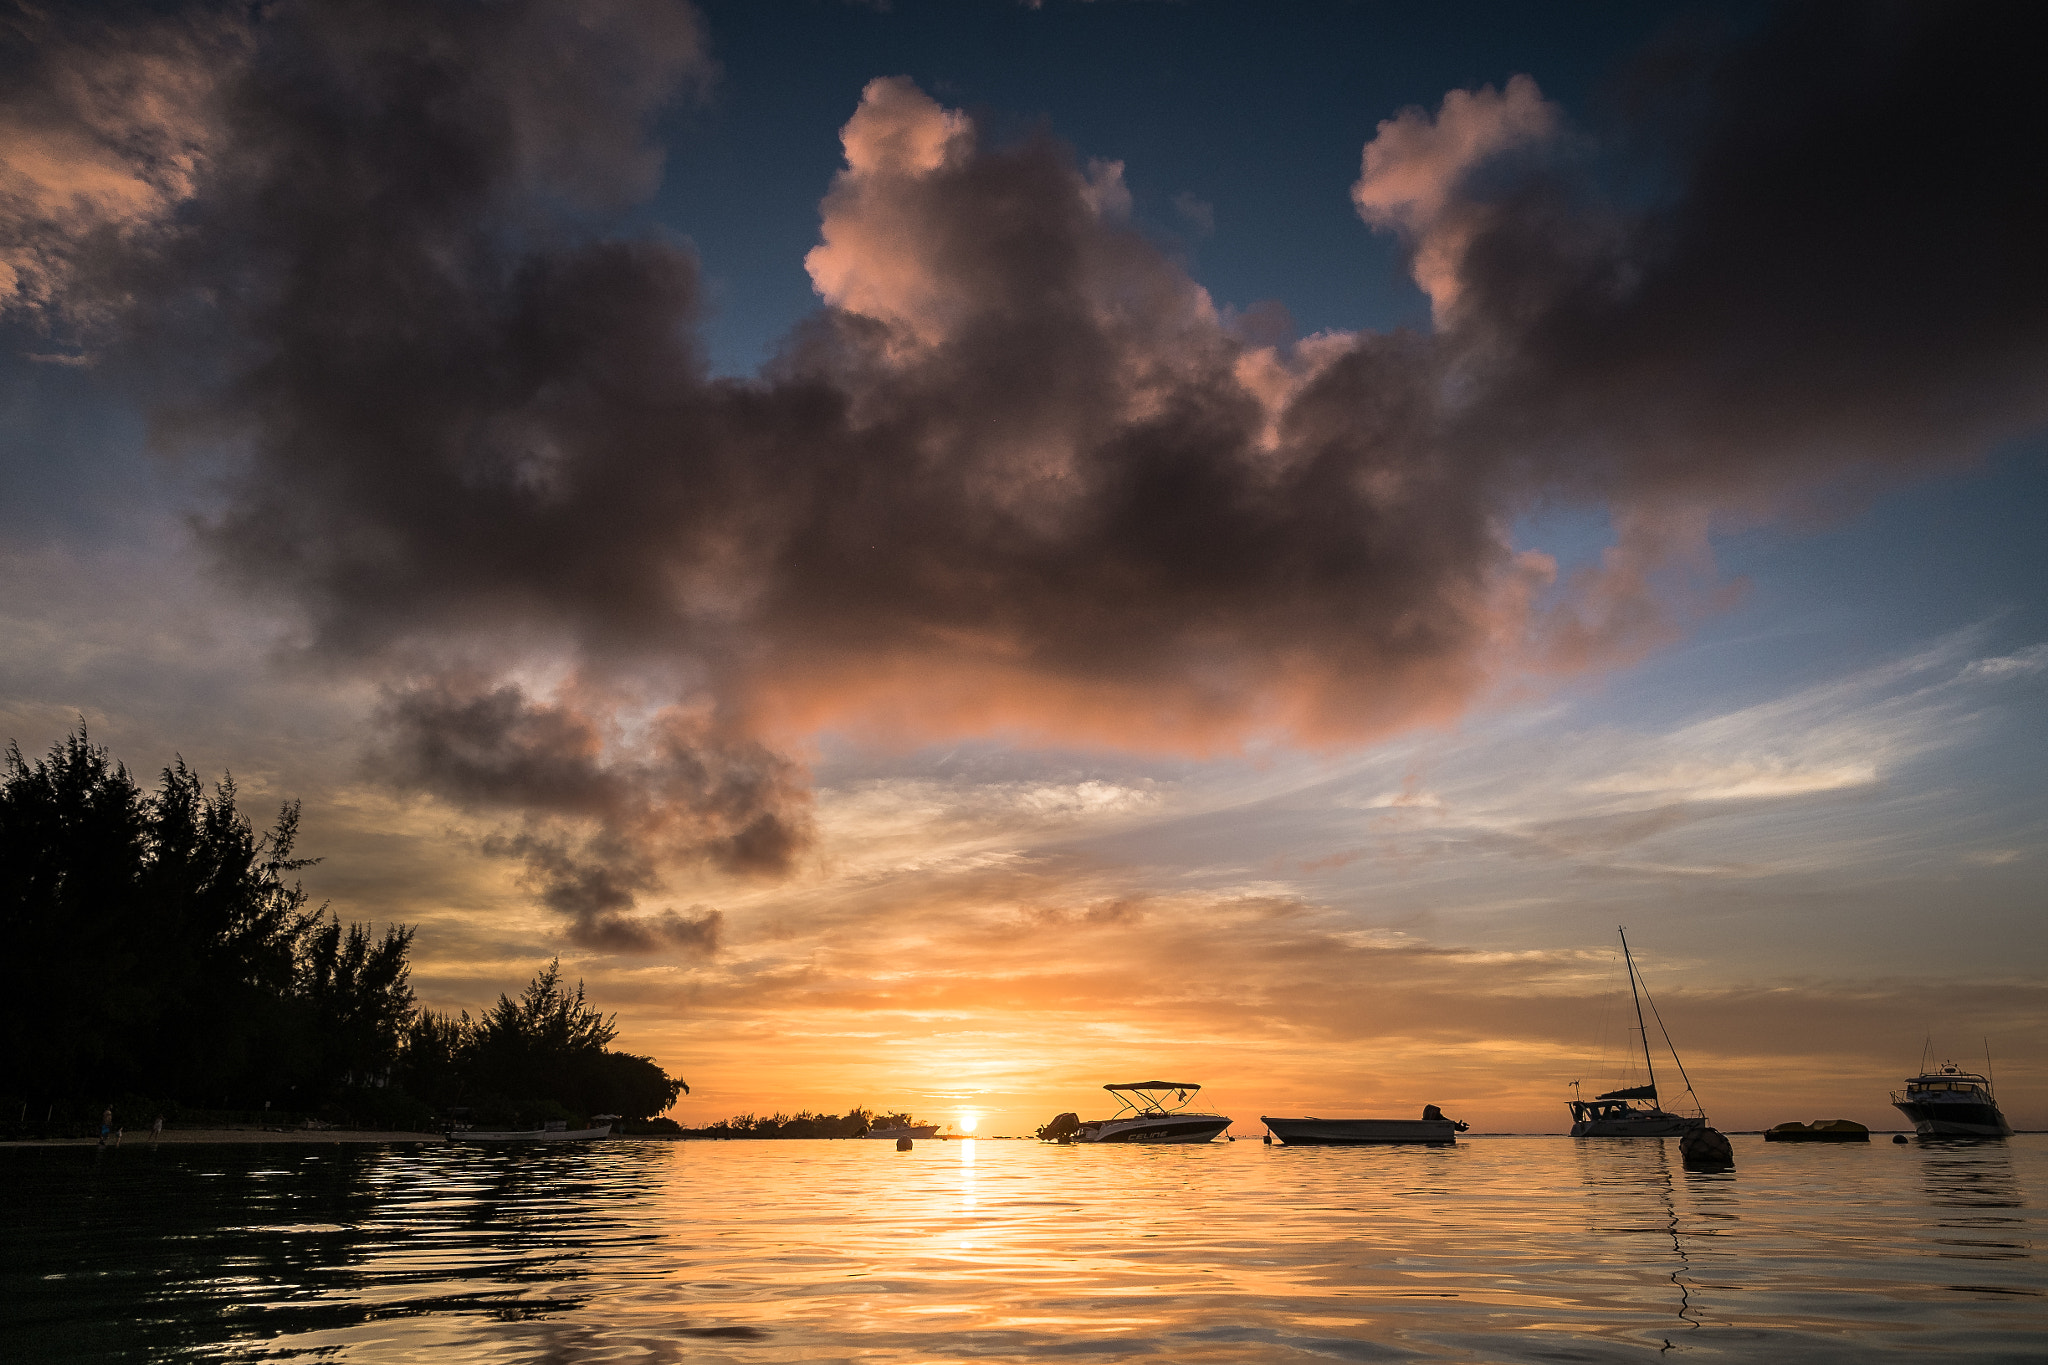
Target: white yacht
{"type": "Point", "coordinates": [1622, 1113]}
{"type": "Point", "coordinates": [1149, 1111]}
{"type": "Point", "coordinates": [1951, 1102]}
{"type": "Point", "coordinates": [555, 1131]}
{"type": "Point", "coordinates": [903, 1130]}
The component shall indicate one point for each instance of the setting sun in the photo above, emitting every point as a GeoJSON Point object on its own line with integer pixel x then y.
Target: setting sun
{"type": "Point", "coordinates": [968, 1118]}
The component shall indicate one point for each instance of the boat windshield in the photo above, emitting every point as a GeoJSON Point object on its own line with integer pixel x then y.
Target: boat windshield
{"type": "Point", "coordinates": [1956, 1081]}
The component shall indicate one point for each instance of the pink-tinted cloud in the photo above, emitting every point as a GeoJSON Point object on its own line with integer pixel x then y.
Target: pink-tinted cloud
{"type": "Point", "coordinates": [1414, 172]}
{"type": "Point", "coordinates": [1019, 474]}
{"type": "Point", "coordinates": [99, 149]}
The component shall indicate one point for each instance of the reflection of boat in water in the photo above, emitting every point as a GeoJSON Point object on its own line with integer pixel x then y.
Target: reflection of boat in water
{"type": "Point", "coordinates": [557, 1131]}
{"type": "Point", "coordinates": [1618, 1113]}
{"type": "Point", "coordinates": [1432, 1127]}
{"type": "Point", "coordinates": [1146, 1115]}
{"type": "Point", "coordinates": [1951, 1103]}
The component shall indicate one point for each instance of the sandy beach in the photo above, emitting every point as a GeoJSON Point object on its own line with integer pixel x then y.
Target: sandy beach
{"type": "Point", "coordinates": [250, 1136]}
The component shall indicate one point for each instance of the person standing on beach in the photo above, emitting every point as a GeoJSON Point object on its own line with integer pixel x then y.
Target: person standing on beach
{"type": "Point", "coordinates": [156, 1129]}
{"type": "Point", "coordinates": [106, 1124]}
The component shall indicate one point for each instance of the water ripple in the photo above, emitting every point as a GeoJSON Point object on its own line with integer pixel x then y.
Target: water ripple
{"type": "Point", "coordinates": [1498, 1249]}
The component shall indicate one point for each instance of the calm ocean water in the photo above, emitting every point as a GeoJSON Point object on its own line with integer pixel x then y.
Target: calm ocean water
{"type": "Point", "coordinates": [1500, 1249]}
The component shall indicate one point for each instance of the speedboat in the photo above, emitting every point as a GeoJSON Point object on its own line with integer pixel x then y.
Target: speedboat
{"type": "Point", "coordinates": [1624, 1113]}
{"type": "Point", "coordinates": [557, 1131]}
{"type": "Point", "coordinates": [1951, 1102]}
{"type": "Point", "coordinates": [1149, 1111]}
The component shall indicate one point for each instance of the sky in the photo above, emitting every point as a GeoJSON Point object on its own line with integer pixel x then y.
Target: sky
{"type": "Point", "coordinates": [943, 555]}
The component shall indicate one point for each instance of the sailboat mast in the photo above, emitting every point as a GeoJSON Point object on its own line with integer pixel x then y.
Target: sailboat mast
{"type": "Point", "coordinates": [1642, 1029]}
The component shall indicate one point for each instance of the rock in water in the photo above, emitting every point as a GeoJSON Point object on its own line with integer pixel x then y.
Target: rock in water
{"type": "Point", "coordinates": [1706, 1147]}
{"type": "Point", "coordinates": [903, 1144]}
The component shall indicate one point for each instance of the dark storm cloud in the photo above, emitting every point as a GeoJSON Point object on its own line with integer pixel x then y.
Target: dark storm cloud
{"type": "Point", "coordinates": [596, 887]}
{"type": "Point", "coordinates": [685, 787]}
{"type": "Point", "coordinates": [1846, 269]}
{"type": "Point", "coordinates": [1019, 473]}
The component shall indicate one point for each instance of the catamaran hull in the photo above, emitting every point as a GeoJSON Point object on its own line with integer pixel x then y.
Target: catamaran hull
{"type": "Point", "coordinates": [1180, 1128]}
{"type": "Point", "coordinates": [1359, 1132]}
{"type": "Point", "coordinates": [1955, 1120]}
{"type": "Point", "coordinates": [1643, 1125]}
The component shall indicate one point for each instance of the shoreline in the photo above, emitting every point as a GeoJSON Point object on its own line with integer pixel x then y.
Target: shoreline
{"type": "Point", "coordinates": [244, 1137]}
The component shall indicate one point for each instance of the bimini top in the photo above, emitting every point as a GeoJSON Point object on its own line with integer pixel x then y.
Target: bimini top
{"type": "Point", "coordinates": [1153, 1085]}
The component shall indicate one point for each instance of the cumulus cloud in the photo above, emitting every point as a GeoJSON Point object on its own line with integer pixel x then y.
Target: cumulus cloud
{"type": "Point", "coordinates": [104, 129]}
{"type": "Point", "coordinates": [1019, 474]}
{"type": "Point", "coordinates": [1416, 168]}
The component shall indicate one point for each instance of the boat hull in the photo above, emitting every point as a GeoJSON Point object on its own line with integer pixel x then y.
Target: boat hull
{"type": "Point", "coordinates": [1359, 1132]}
{"type": "Point", "coordinates": [529, 1137]}
{"type": "Point", "coordinates": [1654, 1124]}
{"type": "Point", "coordinates": [1172, 1129]}
{"type": "Point", "coordinates": [922, 1130]}
{"type": "Point", "coordinates": [1954, 1120]}
{"type": "Point", "coordinates": [1840, 1130]}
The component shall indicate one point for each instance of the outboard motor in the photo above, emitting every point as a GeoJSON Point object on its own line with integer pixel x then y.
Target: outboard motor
{"type": "Point", "coordinates": [1061, 1128]}
{"type": "Point", "coordinates": [1432, 1114]}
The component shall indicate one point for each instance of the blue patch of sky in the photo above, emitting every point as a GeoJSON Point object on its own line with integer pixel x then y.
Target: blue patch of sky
{"type": "Point", "coordinates": [73, 455]}
{"type": "Point", "coordinates": [1260, 112]}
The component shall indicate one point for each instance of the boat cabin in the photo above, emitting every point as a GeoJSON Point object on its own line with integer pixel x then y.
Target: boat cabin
{"type": "Point", "coordinates": [1614, 1104]}
{"type": "Point", "coordinates": [1950, 1081]}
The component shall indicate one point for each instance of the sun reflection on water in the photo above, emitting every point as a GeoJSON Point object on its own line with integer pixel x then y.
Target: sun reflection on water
{"type": "Point", "coordinates": [1495, 1250]}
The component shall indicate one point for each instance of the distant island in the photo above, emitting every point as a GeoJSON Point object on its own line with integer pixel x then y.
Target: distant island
{"type": "Point", "coordinates": [854, 1123]}
{"type": "Point", "coordinates": [163, 961]}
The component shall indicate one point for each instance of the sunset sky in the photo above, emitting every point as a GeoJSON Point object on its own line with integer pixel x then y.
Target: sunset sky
{"type": "Point", "coordinates": [944, 554]}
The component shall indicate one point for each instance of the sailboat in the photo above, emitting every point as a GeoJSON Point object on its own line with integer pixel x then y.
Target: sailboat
{"type": "Point", "coordinates": [1623, 1113]}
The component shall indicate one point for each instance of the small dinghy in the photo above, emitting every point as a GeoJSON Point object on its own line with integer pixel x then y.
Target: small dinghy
{"type": "Point", "coordinates": [557, 1131]}
{"type": "Point", "coordinates": [1706, 1149]}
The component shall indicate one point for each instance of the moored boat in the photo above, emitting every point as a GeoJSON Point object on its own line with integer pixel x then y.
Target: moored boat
{"type": "Point", "coordinates": [1951, 1102]}
{"type": "Point", "coordinates": [1314, 1132]}
{"type": "Point", "coordinates": [1146, 1115]}
{"type": "Point", "coordinates": [1621, 1113]}
{"type": "Point", "coordinates": [1820, 1130]}
{"type": "Point", "coordinates": [551, 1133]}
{"type": "Point", "coordinates": [903, 1130]}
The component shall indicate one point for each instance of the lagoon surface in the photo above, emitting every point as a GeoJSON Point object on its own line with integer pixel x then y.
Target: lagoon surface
{"type": "Point", "coordinates": [1499, 1249]}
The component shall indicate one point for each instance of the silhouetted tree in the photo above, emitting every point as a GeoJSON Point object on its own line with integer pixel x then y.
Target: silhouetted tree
{"type": "Point", "coordinates": [550, 1046]}
{"type": "Point", "coordinates": [79, 977]}
{"type": "Point", "coordinates": [158, 945]}
{"type": "Point", "coordinates": [354, 993]}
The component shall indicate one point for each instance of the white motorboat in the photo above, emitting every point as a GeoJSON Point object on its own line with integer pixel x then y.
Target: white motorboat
{"type": "Point", "coordinates": [1619, 1113]}
{"type": "Point", "coordinates": [1150, 1111]}
{"type": "Point", "coordinates": [1951, 1102]}
{"type": "Point", "coordinates": [903, 1130]}
{"type": "Point", "coordinates": [1313, 1132]}
{"type": "Point", "coordinates": [557, 1131]}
